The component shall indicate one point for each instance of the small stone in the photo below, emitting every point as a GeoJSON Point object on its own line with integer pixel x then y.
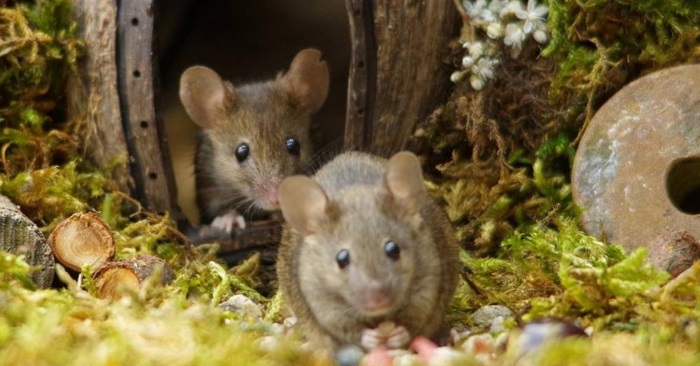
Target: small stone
{"type": "Point", "coordinates": [497, 325]}
{"type": "Point", "coordinates": [289, 322]}
{"type": "Point", "coordinates": [674, 252]}
{"type": "Point", "coordinates": [534, 334]}
{"type": "Point", "coordinates": [243, 306]}
{"type": "Point", "coordinates": [484, 317]}
{"type": "Point", "coordinates": [268, 343]}
{"type": "Point", "coordinates": [349, 355]}
{"type": "Point", "coordinates": [481, 346]}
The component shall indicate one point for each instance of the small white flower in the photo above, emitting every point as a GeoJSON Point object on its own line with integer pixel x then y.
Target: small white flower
{"type": "Point", "coordinates": [496, 5]}
{"type": "Point", "coordinates": [533, 15]}
{"type": "Point", "coordinates": [488, 16]}
{"type": "Point", "coordinates": [476, 49]}
{"type": "Point", "coordinates": [515, 35]}
{"type": "Point", "coordinates": [477, 82]}
{"type": "Point", "coordinates": [494, 30]}
{"type": "Point", "coordinates": [484, 68]}
{"type": "Point", "coordinates": [482, 12]}
{"type": "Point", "coordinates": [474, 9]}
{"type": "Point", "coordinates": [467, 61]}
{"type": "Point", "coordinates": [513, 7]}
{"type": "Point", "coordinates": [540, 36]}
{"type": "Point", "coordinates": [457, 75]}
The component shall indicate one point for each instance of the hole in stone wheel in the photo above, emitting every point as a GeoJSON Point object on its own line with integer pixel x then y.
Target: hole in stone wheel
{"type": "Point", "coordinates": [683, 184]}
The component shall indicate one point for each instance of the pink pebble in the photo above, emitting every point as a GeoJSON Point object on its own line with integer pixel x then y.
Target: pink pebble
{"type": "Point", "coordinates": [424, 347]}
{"type": "Point", "coordinates": [379, 357]}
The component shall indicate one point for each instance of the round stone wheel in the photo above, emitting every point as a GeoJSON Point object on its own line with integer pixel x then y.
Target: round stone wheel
{"type": "Point", "coordinates": [637, 169]}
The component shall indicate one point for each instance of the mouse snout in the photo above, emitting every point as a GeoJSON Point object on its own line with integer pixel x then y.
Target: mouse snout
{"type": "Point", "coordinates": [376, 299]}
{"type": "Point", "coordinates": [272, 197]}
{"type": "Point", "coordinates": [268, 197]}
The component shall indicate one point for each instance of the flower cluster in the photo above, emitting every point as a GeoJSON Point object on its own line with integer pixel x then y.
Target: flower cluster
{"type": "Point", "coordinates": [512, 21]}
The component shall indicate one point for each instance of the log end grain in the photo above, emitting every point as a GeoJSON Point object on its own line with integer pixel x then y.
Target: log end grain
{"type": "Point", "coordinates": [81, 239]}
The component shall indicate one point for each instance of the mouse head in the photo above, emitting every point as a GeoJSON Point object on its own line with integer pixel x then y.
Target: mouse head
{"type": "Point", "coordinates": [258, 133]}
{"type": "Point", "coordinates": [368, 246]}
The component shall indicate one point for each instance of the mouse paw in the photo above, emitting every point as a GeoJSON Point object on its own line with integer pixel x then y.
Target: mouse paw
{"type": "Point", "coordinates": [387, 334]}
{"type": "Point", "coordinates": [229, 221]}
{"type": "Point", "coordinates": [398, 338]}
{"type": "Point", "coordinates": [371, 339]}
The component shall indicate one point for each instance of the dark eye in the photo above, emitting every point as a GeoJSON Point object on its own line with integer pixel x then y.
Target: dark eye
{"type": "Point", "coordinates": [392, 250]}
{"type": "Point", "coordinates": [292, 146]}
{"type": "Point", "coordinates": [343, 258]}
{"type": "Point", "coordinates": [242, 152]}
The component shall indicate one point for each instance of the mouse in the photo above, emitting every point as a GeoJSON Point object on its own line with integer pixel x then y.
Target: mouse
{"type": "Point", "coordinates": [367, 258]}
{"type": "Point", "coordinates": [251, 136]}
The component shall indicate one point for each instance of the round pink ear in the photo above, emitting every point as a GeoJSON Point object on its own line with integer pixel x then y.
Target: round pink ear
{"type": "Point", "coordinates": [205, 96]}
{"type": "Point", "coordinates": [307, 80]}
{"type": "Point", "coordinates": [404, 179]}
{"type": "Point", "coordinates": [303, 203]}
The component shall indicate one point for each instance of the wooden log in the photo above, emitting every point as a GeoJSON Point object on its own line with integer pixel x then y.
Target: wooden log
{"type": "Point", "coordinates": [93, 101]}
{"type": "Point", "coordinates": [115, 279]}
{"type": "Point", "coordinates": [397, 73]}
{"type": "Point", "coordinates": [20, 236]}
{"type": "Point", "coordinates": [138, 79]}
{"type": "Point", "coordinates": [83, 238]}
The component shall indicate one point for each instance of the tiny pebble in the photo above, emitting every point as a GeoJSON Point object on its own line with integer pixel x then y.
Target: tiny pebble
{"type": "Point", "coordinates": [349, 355]}
{"type": "Point", "coordinates": [484, 317]}
{"type": "Point", "coordinates": [481, 346]}
{"type": "Point", "coordinates": [378, 357]}
{"type": "Point", "coordinates": [243, 306]}
{"type": "Point", "coordinates": [497, 325]}
{"type": "Point", "coordinates": [289, 322]}
{"type": "Point", "coordinates": [268, 343]}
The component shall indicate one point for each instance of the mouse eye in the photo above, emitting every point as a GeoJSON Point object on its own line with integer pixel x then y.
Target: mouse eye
{"type": "Point", "coordinates": [392, 250]}
{"type": "Point", "coordinates": [292, 146]}
{"type": "Point", "coordinates": [343, 258]}
{"type": "Point", "coordinates": [242, 152]}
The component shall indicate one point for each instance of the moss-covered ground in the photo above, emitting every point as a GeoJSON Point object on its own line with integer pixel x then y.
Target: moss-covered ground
{"type": "Point", "coordinates": [498, 160]}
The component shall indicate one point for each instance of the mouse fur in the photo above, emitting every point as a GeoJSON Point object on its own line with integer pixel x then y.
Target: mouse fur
{"type": "Point", "coordinates": [263, 116]}
{"type": "Point", "coordinates": [357, 203]}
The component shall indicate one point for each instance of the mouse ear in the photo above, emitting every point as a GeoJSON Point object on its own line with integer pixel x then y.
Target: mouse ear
{"type": "Point", "coordinates": [307, 80]}
{"type": "Point", "coordinates": [303, 203]}
{"type": "Point", "coordinates": [404, 180]}
{"type": "Point", "coordinates": [205, 96]}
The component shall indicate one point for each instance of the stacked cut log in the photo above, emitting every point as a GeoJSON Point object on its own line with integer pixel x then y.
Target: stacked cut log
{"type": "Point", "coordinates": [20, 236]}
{"type": "Point", "coordinates": [114, 279]}
{"type": "Point", "coordinates": [85, 239]}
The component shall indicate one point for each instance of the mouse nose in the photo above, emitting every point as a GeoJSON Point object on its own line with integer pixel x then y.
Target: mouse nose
{"type": "Point", "coordinates": [377, 301]}
{"type": "Point", "coordinates": [273, 197]}
{"type": "Point", "coordinates": [376, 297]}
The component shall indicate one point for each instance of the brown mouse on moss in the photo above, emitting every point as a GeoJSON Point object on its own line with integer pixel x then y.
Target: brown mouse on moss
{"type": "Point", "coordinates": [367, 257]}
{"type": "Point", "coordinates": [253, 136]}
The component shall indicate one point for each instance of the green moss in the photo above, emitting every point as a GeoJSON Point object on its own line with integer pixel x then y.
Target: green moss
{"type": "Point", "coordinates": [601, 45]}
{"type": "Point", "coordinates": [59, 327]}
{"type": "Point", "coordinates": [37, 51]}
{"type": "Point", "coordinates": [499, 161]}
{"type": "Point", "coordinates": [609, 349]}
{"type": "Point", "coordinates": [561, 272]}
{"type": "Point", "coordinates": [486, 204]}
